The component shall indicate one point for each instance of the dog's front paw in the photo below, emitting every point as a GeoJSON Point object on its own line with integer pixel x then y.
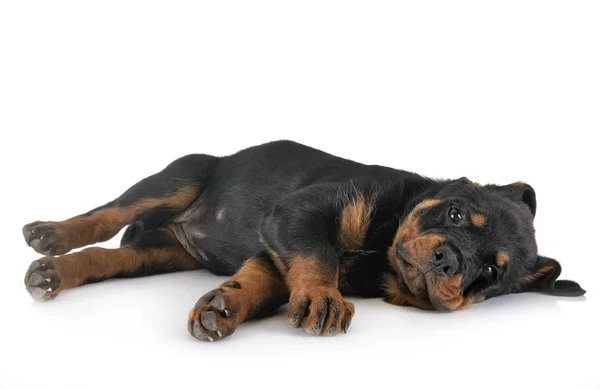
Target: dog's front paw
{"type": "Point", "coordinates": [42, 280]}
{"type": "Point", "coordinates": [217, 314]}
{"type": "Point", "coordinates": [46, 238]}
{"type": "Point", "coordinates": [320, 311]}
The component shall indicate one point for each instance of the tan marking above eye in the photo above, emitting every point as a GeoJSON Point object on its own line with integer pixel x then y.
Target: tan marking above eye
{"type": "Point", "coordinates": [501, 258]}
{"type": "Point", "coordinates": [478, 220]}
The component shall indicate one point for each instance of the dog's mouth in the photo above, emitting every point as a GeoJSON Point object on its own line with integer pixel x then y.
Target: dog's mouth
{"type": "Point", "coordinates": [423, 279]}
{"type": "Point", "coordinates": [414, 279]}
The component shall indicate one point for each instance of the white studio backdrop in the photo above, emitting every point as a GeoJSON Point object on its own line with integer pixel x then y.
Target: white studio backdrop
{"type": "Point", "coordinates": [97, 95]}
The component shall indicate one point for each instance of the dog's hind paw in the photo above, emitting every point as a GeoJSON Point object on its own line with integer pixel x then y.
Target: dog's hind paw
{"type": "Point", "coordinates": [42, 280]}
{"type": "Point", "coordinates": [217, 314]}
{"type": "Point", "coordinates": [46, 238]}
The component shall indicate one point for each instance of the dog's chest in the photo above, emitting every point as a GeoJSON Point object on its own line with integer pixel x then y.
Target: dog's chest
{"type": "Point", "coordinates": [360, 273]}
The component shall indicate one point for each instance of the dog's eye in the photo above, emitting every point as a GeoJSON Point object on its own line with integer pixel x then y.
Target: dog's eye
{"type": "Point", "coordinates": [455, 214]}
{"type": "Point", "coordinates": [490, 271]}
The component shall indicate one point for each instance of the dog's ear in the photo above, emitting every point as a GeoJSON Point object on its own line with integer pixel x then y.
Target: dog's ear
{"type": "Point", "coordinates": [519, 192]}
{"type": "Point", "coordinates": [542, 278]}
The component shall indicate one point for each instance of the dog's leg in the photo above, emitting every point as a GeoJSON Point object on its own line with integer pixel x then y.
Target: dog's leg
{"type": "Point", "coordinates": [153, 252]}
{"type": "Point", "coordinates": [304, 246]}
{"type": "Point", "coordinates": [257, 289]}
{"type": "Point", "coordinates": [153, 199]}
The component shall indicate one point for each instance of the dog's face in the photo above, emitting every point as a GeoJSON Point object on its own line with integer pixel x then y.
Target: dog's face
{"type": "Point", "coordinates": [467, 243]}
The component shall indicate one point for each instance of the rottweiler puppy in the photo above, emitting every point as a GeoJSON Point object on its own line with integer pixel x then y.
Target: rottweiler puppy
{"type": "Point", "coordinates": [292, 224]}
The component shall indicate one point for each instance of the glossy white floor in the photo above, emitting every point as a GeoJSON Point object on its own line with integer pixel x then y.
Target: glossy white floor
{"type": "Point", "coordinates": [133, 333]}
{"type": "Point", "coordinates": [95, 97]}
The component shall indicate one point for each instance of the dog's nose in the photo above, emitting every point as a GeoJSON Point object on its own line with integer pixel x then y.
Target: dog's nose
{"type": "Point", "coordinates": [445, 261]}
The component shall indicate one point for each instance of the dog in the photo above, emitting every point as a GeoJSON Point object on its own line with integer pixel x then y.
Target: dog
{"type": "Point", "coordinates": [294, 225]}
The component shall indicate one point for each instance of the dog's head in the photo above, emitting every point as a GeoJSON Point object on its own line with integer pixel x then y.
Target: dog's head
{"type": "Point", "coordinates": [468, 242]}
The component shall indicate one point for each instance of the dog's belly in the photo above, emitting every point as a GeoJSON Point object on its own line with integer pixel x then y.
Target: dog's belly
{"type": "Point", "coordinates": [217, 237]}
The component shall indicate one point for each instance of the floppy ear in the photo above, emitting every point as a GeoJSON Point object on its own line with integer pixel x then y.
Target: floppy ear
{"type": "Point", "coordinates": [543, 279]}
{"type": "Point", "coordinates": [520, 191]}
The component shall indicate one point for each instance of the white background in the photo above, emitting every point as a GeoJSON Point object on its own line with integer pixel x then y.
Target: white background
{"type": "Point", "coordinates": [97, 95]}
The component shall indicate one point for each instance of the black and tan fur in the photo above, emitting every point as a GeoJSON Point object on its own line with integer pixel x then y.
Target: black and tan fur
{"type": "Point", "coordinates": [291, 224]}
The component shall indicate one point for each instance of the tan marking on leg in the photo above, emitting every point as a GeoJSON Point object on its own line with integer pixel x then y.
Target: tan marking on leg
{"type": "Point", "coordinates": [105, 223]}
{"type": "Point", "coordinates": [99, 263]}
{"type": "Point", "coordinates": [259, 283]}
{"type": "Point", "coordinates": [306, 272]}
{"type": "Point", "coordinates": [95, 264]}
